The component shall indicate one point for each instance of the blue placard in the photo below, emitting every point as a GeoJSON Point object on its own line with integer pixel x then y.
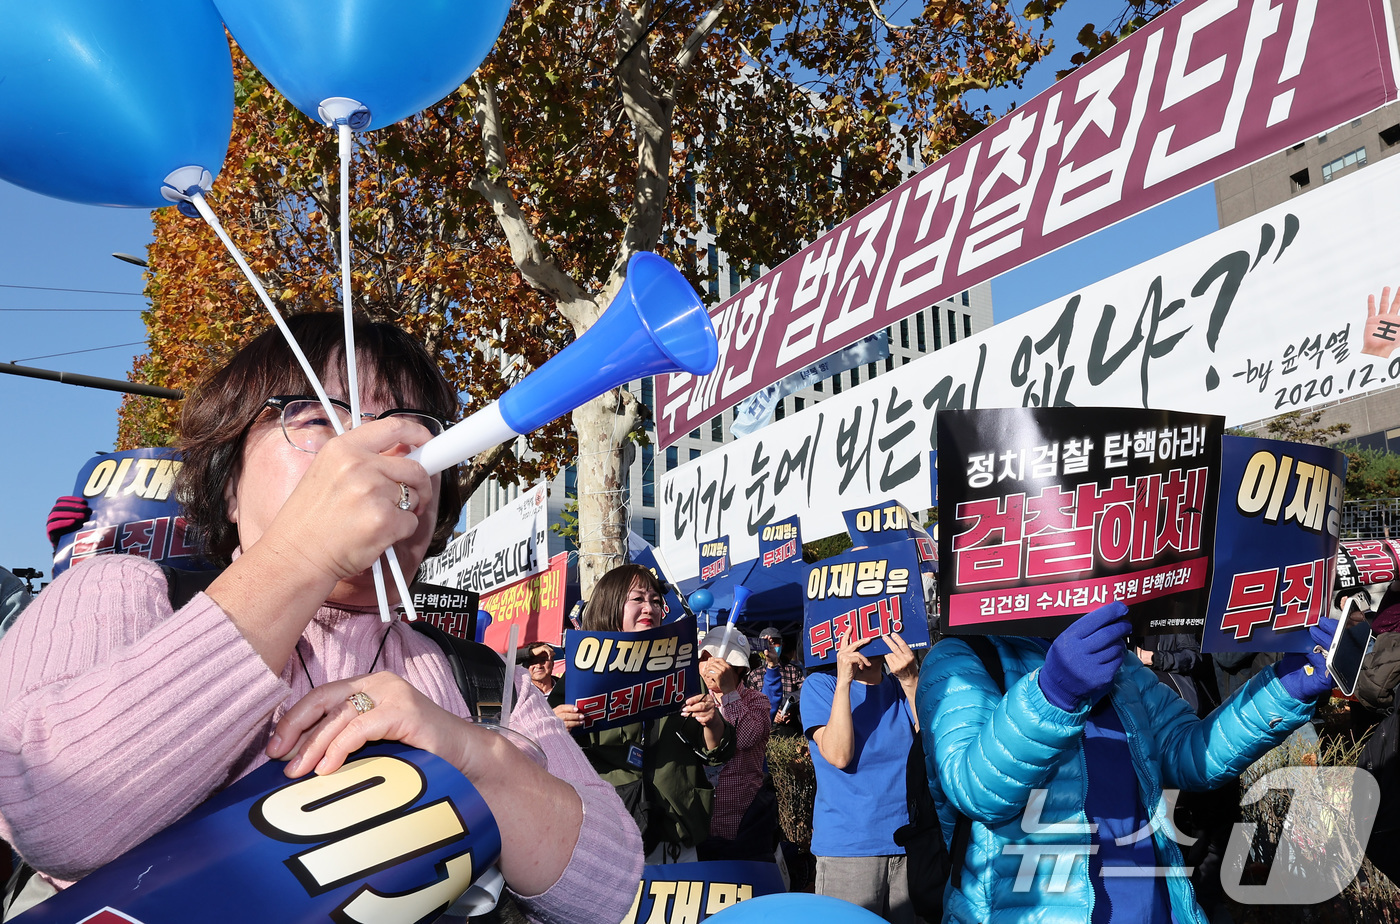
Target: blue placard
{"type": "Point", "coordinates": [1276, 544]}
{"type": "Point", "coordinates": [780, 542]}
{"type": "Point", "coordinates": [868, 592]}
{"type": "Point", "coordinates": [674, 893]}
{"type": "Point", "coordinates": [618, 678]}
{"type": "Point", "coordinates": [395, 828]}
{"type": "Point", "coordinates": [134, 511]}
{"type": "Point", "coordinates": [714, 558]}
{"type": "Point", "coordinates": [890, 521]}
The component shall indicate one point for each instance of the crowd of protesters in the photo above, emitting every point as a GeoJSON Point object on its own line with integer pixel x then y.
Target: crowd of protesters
{"type": "Point", "coordinates": [1083, 733]}
{"type": "Point", "coordinates": [1027, 747]}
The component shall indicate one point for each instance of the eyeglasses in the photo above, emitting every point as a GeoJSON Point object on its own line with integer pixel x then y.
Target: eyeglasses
{"type": "Point", "coordinates": [306, 427]}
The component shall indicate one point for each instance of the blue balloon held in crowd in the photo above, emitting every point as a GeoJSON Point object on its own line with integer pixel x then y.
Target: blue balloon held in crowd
{"type": "Point", "coordinates": [102, 101]}
{"type": "Point", "coordinates": [701, 600]}
{"type": "Point", "coordinates": [795, 906]}
{"type": "Point", "coordinates": [393, 58]}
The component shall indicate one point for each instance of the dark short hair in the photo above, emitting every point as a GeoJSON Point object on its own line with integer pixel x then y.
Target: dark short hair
{"type": "Point", "coordinates": [604, 610]}
{"type": "Point", "coordinates": [219, 412]}
{"type": "Point", "coordinates": [535, 648]}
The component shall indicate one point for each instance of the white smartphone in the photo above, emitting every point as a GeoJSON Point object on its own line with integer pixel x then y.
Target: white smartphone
{"type": "Point", "coordinates": [1349, 645]}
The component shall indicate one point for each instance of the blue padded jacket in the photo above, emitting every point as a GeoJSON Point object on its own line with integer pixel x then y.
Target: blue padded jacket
{"type": "Point", "coordinates": [988, 754]}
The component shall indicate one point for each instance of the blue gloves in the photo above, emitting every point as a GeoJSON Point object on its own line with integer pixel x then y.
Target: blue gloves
{"type": "Point", "coordinates": [1080, 664]}
{"type": "Point", "coordinates": [1305, 676]}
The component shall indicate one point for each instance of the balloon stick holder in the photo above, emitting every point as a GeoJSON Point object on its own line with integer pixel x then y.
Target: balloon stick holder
{"type": "Point", "coordinates": [183, 184]}
{"type": "Point", "coordinates": [341, 110]}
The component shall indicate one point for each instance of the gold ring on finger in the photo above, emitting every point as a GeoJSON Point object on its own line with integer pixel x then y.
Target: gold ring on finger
{"type": "Point", "coordinates": [361, 702]}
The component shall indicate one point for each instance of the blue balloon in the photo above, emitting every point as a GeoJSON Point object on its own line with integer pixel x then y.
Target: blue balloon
{"type": "Point", "coordinates": [393, 57]}
{"type": "Point", "coordinates": [795, 906]}
{"type": "Point", "coordinates": [702, 599]}
{"type": "Point", "coordinates": [101, 101]}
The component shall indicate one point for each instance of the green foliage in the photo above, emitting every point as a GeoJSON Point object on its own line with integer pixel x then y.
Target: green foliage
{"type": "Point", "coordinates": [1371, 897]}
{"type": "Point", "coordinates": [1132, 16]}
{"type": "Point", "coordinates": [1372, 474]}
{"type": "Point", "coordinates": [818, 549]}
{"type": "Point", "coordinates": [567, 527]}
{"type": "Point", "coordinates": [795, 779]}
{"type": "Point", "coordinates": [1305, 427]}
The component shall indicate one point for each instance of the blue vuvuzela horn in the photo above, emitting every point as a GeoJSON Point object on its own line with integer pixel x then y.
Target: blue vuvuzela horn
{"type": "Point", "coordinates": [656, 324]}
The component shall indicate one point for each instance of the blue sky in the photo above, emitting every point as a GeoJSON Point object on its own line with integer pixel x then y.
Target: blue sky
{"type": "Point", "coordinates": [53, 428]}
{"type": "Point", "coordinates": [49, 244]}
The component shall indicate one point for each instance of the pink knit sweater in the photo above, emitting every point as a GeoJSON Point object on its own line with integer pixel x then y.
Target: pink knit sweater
{"type": "Point", "coordinates": [117, 719]}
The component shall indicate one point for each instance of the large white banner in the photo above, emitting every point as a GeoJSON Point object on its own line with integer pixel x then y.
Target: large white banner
{"type": "Point", "coordinates": [506, 547]}
{"type": "Point", "coordinates": [1266, 316]}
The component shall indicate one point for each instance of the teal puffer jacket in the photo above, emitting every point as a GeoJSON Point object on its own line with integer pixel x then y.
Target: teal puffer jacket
{"type": "Point", "coordinates": [987, 754]}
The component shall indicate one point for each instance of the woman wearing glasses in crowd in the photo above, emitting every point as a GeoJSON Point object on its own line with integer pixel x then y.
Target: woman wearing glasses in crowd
{"type": "Point", "coordinates": [658, 767]}
{"type": "Point", "coordinates": [118, 716]}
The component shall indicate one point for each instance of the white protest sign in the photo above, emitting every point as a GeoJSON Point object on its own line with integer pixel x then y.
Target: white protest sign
{"type": "Point", "coordinates": [506, 547]}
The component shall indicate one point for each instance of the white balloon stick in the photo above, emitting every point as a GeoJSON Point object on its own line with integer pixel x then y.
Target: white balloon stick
{"type": "Point", "coordinates": [508, 694]}
{"type": "Point", "coordinates": [352, 375]}
{"type": "Point", "coordinates": [202, 206]}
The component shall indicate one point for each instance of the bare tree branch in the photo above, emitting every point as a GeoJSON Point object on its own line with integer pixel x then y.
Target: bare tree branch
{"type": "Point", "coordinates": [691, 49]}
{"type": "Point", "coordinates": [650, 113]}
{"type": "Point", "coordinates": [471, 476]}
{"type": "Point", "coordinates": [531, 259]}
{"type": "Point", "coordinates": [875, 9]}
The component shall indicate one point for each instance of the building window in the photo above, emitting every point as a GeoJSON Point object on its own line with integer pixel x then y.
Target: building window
{"type": "Point", "coordinates": [1355, 158]}
{"type": "Point", "coordinates": [889, 363]}
{"type": "Point", "coordinates": [571, 481]}
{"type": "Point", "coordinates": [717, 428]}
{"type": "Point", "coordinates": [967, 325]}
{"type": "Point", "coordinates": [904, 333]}
{"type": "Point", "coordinates": [919, 329]}
{"type": "Point", "coordinates": [965, 299]}
{"type": "Point", "coordinates": [904, 360]}
{"type": "Point", "coordinates": [695, 434]}
{"type": "Point", "coordinates": [673, 457]}
{"type": "Point", "coordinates": [694, 454]}
{"type": "Point", "coordinates": [649, 530]}
{"type": "Point", "coordinates": [734, 281]}
{"type": "Point", "coordinates": [648, 476]}
{"type": "Point", "coordinates": [649, 400]}
{"type": "Point", "coordinates": [836, 384]}
{"type": "Point", "coordinates": [1391, 136]}
{"type": "Point", "coordinates": [952, 326]}
{"type": "Point", "coordinates": [798, 404]}
{"type": "Point", "coordinates": [780, 411]}
{"type": "Point", "coordinates": [713, 275]}
{"type": "Point", "coordinates": [855, 377]}
{"type": "Point", "coordinates": [817, 387]}
{"type": "Point", "coordinates": [1299, 180]}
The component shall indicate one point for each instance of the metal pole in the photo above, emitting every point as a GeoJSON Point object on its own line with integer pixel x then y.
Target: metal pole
{"type": "Point", "coordinates": [92, 381]}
